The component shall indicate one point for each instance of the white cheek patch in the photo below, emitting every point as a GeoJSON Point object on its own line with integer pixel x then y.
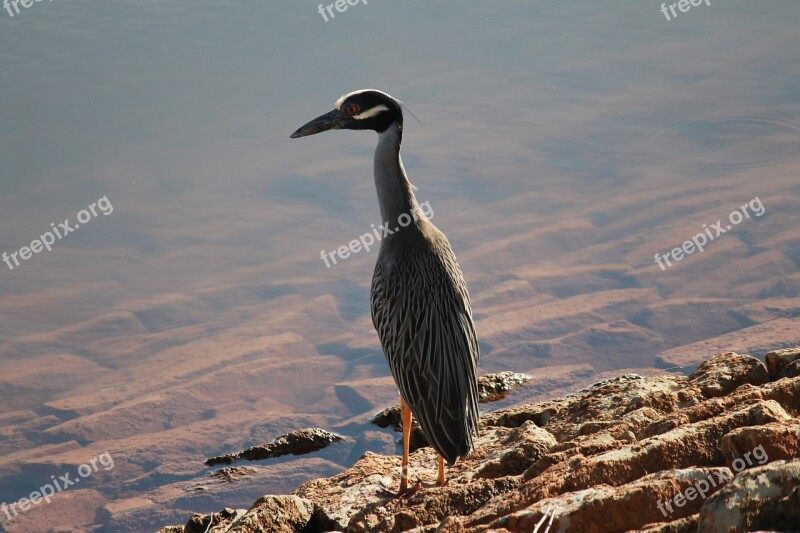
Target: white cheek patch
{"type": "Point", "coordinates": [369, 113]}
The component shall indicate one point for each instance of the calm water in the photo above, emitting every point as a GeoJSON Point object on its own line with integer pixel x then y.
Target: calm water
{"type": "Point", "coordinates": [178, 114]}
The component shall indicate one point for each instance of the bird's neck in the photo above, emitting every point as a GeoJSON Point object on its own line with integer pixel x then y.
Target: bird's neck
{"type": "Point", "coordinates": [395, 192]}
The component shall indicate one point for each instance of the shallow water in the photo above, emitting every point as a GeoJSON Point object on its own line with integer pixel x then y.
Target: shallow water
{"type": "Point", "coordinates": [561, 145]}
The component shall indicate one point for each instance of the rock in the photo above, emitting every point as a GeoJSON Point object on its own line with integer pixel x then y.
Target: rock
{"type": "Point", "coordinates": [779, 360]}
{"type": "Point", "coordinates": [363, 484]}
{"type": "Point", "coordinates": [524, 446]}
{"type": "Point", "coordinates": [491, 388]}
{"type": "Point", "coordinates": [685, 447]}
{"type": "Point", "coordinates": [792, 370]}
{"type": "Point", "coordinates": [276, 514]}
{"type": "Point", "coordinates": [388, 417]}
{"type": "Point", "coordinates": [757, 445]}
{"type": "Point", "coordinates": [199, 523]}
{"type": "Point", "coordinates": [684, 525]}
{"type": "Point", "coordinates": [698, 453]}
{"type": "Point", "coordinates": [765, 497]}
{"type": "Point", "coordinates": [428, 506]}
{"type": "Point", "coordinates": [725, 372]}
{"type": "Point", "coordinates": [606, 508]}
{"type": "Point", "coordinates": [451, 524]}
{"type": "Point", "coordinates": [391, 417]}
{"type": "Point", "coordinates": [494, 387]}
{"type": "Point", "coordinates": [230, 473]}
{"type": "Point", "coordinates": [296, 443]}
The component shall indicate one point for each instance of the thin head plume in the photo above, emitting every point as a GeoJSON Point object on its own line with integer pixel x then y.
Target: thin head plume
{"type": "Point", "coordinates": [409, 111]}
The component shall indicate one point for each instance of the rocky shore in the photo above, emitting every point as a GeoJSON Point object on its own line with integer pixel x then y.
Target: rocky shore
{"type": "Point", "coordinates": [715, 451]}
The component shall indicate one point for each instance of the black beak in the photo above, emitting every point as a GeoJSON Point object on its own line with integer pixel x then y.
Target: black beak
{"type": "Point", "coordinates": [333, 120]}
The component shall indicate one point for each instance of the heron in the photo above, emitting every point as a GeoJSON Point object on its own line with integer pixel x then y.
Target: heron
{"type": "Point", "coordinates": [419, 300]}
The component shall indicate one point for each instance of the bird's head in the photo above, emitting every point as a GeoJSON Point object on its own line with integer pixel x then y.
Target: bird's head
{"type": "Point", "coordinates": [367, 109]}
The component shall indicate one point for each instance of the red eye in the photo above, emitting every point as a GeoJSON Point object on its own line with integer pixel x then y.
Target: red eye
{"type": "Point", "coordinates": [351, 109]}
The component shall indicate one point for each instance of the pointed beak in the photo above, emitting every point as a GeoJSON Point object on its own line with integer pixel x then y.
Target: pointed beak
{"type": "Point", "coordinates": [333, 120]}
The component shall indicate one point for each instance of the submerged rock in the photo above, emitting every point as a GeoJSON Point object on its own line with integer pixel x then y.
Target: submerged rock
{"type": "Point", "coordinates": [229, 474]}
{"type": "Point", "coordinates": [295, 443]}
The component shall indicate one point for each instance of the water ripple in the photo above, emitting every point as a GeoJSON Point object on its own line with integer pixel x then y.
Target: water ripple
{"type": "Point", "coordinates": [722, 144]}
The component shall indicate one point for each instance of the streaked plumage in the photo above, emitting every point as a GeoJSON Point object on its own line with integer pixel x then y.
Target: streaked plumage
{"type": "Point", "coordinates": [420, 304]}
{"type": "Point", "coordinates": [421, 310]}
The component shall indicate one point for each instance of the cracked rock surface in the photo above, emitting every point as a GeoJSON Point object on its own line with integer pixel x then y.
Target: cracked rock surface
{"type": "Point", "coordinates": [718, 450]}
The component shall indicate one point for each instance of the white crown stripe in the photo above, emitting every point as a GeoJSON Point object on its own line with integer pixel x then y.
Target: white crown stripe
{"type": "Point", "coordinates": [341, 100]}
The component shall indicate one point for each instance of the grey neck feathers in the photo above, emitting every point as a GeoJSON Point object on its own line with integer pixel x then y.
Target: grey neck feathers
{"type": "Point", "coordinates": [395, 193]}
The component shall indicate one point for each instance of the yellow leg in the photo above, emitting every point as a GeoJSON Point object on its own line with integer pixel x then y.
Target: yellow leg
{"type": "Point", "coordinates": [405, 418]}
{"type": "Point", "coordinates": [441, 480]}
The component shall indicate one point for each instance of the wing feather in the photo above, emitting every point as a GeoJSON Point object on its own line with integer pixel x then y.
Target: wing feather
{"type": "Point", "coordinates": [422, 312]}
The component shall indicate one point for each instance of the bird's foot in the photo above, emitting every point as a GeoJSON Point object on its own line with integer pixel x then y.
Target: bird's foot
{"type": "Point", "coordinates": [435, 484]}
{"type": "Point", "coordinates": [404, 492]}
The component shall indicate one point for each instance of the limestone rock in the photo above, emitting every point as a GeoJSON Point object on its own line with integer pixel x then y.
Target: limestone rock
{"type": "Point", "coordinates": [296, 443]}
{"type": "Point", "coordinates": [725, 372]}
{"type": "Point", "coordinates": [276, 514]}
{"type": "Point", "coordinates": [765, 497]}
{"type": "Point", "coordinates": [778, 362]}
{"type": "Point", "coordinates": [718, 450]}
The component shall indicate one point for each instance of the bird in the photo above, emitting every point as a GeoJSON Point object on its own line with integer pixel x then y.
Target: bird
{"type": "Point", "coordinates": [419, 301]}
